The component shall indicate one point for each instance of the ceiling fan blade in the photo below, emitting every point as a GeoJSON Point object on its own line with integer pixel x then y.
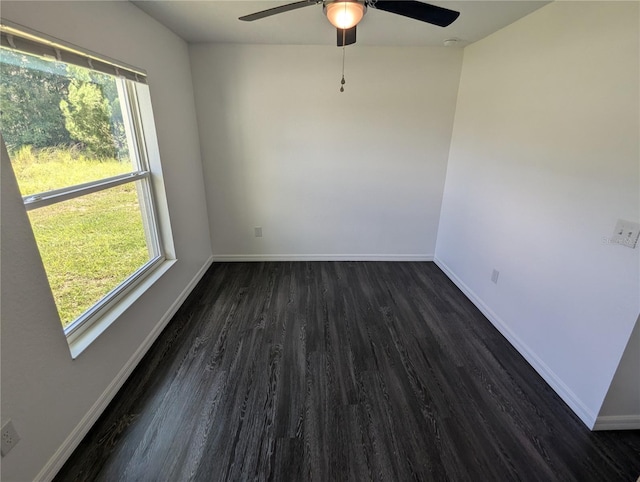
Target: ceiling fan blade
{"type": "Point", "coordinates": [346, 37]}
{"type": "Point", "coordinates": [419, 11]}
{"type": "Point", "coordinates": [276, 10]}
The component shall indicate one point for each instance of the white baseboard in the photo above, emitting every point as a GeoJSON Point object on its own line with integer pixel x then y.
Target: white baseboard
{"type": "Point", "coordinates": [322, 257]}
{"type": "Point", "coordinates": [556, 383]}
{"type": "Point", "coordinates": [617, 422]}
{"type": "Point", "coordinates": [58, 459]}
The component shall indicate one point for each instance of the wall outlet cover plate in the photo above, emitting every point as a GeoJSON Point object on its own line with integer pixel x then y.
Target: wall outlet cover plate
{"type": "Point", "coordinates": [9, 438]}
{"type": "Point", "coordinates": [626, 233]}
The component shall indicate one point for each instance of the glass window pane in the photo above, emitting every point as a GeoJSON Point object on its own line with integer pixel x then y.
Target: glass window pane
{"type": "Point", "coordinates": [63, 124]}
{"type": "Point", "coordinates": [90, 245]}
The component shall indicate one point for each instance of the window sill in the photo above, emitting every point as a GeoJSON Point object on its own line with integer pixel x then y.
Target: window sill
{"type": "Point", "coordinates": [79, 342]}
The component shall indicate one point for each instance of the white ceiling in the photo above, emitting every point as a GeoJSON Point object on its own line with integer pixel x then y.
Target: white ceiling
{"type": "Point", "coordinates": [217, 21]}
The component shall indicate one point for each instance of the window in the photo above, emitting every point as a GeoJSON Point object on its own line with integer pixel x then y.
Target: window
{"type": "Point", "coordinates": [75, 134]}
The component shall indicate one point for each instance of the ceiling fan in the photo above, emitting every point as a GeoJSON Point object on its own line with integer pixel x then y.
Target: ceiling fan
{"type": "Point", "coordinates": [346, 14]}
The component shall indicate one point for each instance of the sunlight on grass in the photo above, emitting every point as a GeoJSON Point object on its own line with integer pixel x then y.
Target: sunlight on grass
{"type": "Point", "coordinates": [89, 245]}
{"type": "Point", "coordinates": [55, 167]}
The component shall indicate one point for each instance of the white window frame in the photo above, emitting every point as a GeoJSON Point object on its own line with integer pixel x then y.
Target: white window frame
{"type": "Point", "coordinates": [140, 132]}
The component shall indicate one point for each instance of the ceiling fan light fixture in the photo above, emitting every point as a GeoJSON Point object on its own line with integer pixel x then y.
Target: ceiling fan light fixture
{"type": "Point", "coordinates": [344, 14]}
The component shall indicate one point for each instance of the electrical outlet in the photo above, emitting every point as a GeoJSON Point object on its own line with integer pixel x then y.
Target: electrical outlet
{"type": "Point", "coordinates": [258, 231]}
{"type": "Point", "coordinates": [626, 233]}
{"type": "Point", "coordinates": [494, 276]}
{"type": "Point", "coordinates": [9, 437]}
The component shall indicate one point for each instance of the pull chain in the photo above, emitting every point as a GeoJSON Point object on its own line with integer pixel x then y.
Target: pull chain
{"type": "Point", "coordinates": [344, 49]}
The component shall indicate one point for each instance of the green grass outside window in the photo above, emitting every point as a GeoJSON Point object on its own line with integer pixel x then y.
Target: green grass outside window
{"type": "Point", "coordinates": [91, 244]}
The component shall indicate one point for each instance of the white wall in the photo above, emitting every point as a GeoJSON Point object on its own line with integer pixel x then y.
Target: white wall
{"type": "Point", "coordinates": [326, 175]}
{"type": "Point", "coordinates": [544, 160]}
{"type": "Point", "coordinates": [51, 398]}
{"type": "Point", "coordinates": [622, 403]}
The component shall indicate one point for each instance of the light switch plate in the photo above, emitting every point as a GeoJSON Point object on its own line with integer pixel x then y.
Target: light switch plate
{"type": "Point", "coordinates": [626, 233]}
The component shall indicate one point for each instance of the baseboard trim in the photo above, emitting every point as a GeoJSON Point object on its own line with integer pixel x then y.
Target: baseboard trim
{"type": "Point", "coordinates": [617, 422]}
{"type": "Point", "coordinates": [321, 257]}
{"type": "Point", "coordinates": [554, 381]}
{"type": "Point", "coordinates": [58, 459]}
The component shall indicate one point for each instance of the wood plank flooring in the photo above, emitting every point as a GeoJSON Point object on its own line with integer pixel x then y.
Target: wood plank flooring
{"type": "Point", "coordinates": [340, 371]}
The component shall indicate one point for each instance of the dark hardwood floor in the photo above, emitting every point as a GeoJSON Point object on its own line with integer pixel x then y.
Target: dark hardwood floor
{"type": "Point", "coordinates": [340, 371]}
